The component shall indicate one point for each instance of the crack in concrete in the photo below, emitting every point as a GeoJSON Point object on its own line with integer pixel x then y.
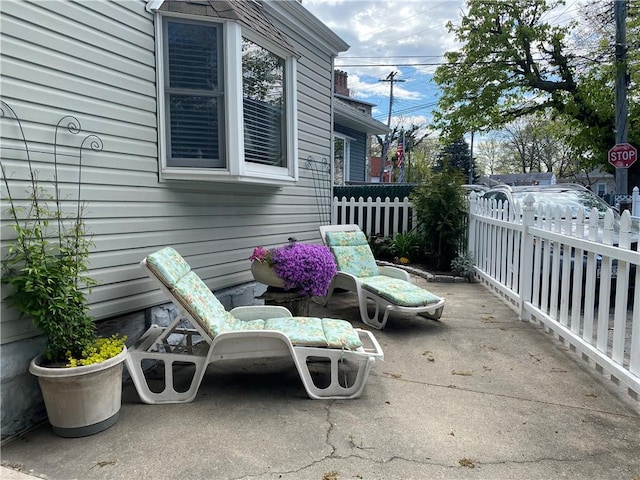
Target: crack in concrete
{"type": "Point", "coordinates": [477, 463]}
{"type": "Point", "coordinates": [513, 397]}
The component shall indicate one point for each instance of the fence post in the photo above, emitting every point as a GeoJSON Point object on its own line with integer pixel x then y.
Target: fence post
{"type": "Point", "coordinates": [334, 211]}
{"type": "Point", "coordinates": [471, 226]}
{"type": "Point", "coordinates": [526, 256]}
{"type": "Point", "coordinates": [635, 202]}
{"type": "Point", "coordinates": [370, 230]}
{"type": "Point", "coordinates": [405, 214]}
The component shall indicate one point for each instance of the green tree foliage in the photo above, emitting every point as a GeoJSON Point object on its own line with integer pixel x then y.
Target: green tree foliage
{"type": "Point", "coordinates": [539, 144]}
{"type": "Point", "coordinates": [440, 205]}
{"type": "Point", "coordinates": [514, 62]}
{"type": "Point", "coordinates": [456, 156]}
{"type": "Point", "coordinates": [421, 160]}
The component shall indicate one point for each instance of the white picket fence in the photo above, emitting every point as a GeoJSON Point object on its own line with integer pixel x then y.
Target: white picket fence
{"type": "Point", "coordinates": [514, 256]}
{"type": "Point", "coordinates": [375, 216]}
{"type": "Point", "coordinates": [390, 216]}
{"type": "Point", "coordinates": [557, 275]}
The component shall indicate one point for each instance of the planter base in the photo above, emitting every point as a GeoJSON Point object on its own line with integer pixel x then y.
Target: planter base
{"type": "Point", "coordinates": [84, 400]}
{"type": "Point", "coordinates": [76, 432]}
{"type": "Point", "coordinates": [297, 304]}
{"type": "Point", "coordinates": [263, 273]}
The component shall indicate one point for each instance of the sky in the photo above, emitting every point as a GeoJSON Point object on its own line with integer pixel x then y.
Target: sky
{"type": "Point", "coordinates": [409, 37]}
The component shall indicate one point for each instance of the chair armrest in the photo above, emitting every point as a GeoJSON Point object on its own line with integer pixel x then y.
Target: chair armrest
{"type": "Point", "coordinates": [394, 272]}
{"type": "Point", "coordinates": [375, 350]}
{"type": "Point", "coordinates": [254, 312]}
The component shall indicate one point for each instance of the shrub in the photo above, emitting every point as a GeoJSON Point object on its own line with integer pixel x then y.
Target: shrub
{"type": "Point", "coordinates": [441, 210]}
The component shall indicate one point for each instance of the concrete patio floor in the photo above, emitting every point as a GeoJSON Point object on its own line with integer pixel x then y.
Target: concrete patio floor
{"type": "Point", "coordinates": [478, 395]}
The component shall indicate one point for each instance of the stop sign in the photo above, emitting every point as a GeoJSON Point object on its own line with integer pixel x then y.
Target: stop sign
{"type": "Point", "coordinates": [623, 155]}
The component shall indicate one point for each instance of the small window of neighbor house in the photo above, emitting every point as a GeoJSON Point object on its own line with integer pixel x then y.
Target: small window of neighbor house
{"type": "Point", "coordinates": [601, 189]}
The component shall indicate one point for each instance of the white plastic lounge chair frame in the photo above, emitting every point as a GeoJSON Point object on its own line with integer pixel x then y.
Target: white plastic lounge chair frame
{"type": "Point", "coordinates": [179, 345]}
{"type": "Point", "coordinates": [347, 281]}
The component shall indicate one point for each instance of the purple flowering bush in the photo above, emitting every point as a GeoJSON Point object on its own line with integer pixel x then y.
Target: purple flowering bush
{"type": "Point", "coordinates": [305, 268]}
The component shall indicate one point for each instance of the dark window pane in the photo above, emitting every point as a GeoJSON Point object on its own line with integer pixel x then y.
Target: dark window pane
{"type": "Point", "coordinates": [193, 56]}
{"type": "Point", "coordinates": [194, 129]}
{"type": "Point", "coordinates": [193, 95]}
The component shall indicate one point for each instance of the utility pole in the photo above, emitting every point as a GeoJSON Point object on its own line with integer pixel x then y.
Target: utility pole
{"type": "Point", "coordinates": [620, 14]}
{"type": "Point", "coordinates": [391, 78]}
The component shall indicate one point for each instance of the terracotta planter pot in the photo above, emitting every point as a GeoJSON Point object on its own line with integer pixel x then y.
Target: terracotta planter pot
{"type": "Point", "coordinates": [263, 273]}
{"type": "Point", "coordinates": [81, 401]}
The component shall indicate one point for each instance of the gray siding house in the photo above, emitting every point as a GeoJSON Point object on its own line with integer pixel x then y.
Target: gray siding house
{"type": "Point", "coordinates": [200, 150]}
{"type": "Point", "coordinates": [353, 127]}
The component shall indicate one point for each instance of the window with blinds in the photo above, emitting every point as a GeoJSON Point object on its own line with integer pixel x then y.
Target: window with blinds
{"type": "Point", "coordinates": [263, 105]}
{"type": "Point", "coordinates": [194, 95]}
{"type": "Point", "coordinates": [229, 105]}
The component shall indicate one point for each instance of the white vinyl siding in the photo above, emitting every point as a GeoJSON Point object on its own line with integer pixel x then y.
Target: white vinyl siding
{"type": "Point", "coordinates": [96, 61]}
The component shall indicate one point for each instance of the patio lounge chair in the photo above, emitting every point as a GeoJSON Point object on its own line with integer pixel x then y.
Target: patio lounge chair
{"type": "Point", "coordinates": [390, 288]}
{"type": "Point", "coordinates": [253, 332]}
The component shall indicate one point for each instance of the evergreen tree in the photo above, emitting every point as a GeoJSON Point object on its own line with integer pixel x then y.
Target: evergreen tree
{"type": "Point", "coordinates": [456, 156]}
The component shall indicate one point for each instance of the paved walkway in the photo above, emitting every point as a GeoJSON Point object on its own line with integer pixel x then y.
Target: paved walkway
{"type": "Point", "coordinates": [479, 395]}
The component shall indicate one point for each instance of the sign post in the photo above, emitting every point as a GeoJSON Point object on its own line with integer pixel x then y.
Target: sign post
{"type": "Point", "coordinates": [623, 155]}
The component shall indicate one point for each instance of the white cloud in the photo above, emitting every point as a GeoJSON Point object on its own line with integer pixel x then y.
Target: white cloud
{"type": "Point", "coordinates": [386, 36]}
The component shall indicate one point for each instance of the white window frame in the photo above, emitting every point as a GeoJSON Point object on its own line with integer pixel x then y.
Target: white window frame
{"type": "Point", "coordinates": [237, 169]}
{"type": "Point", "coordinates": [346, 163]}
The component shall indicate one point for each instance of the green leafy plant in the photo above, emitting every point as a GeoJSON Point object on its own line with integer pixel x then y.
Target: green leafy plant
{"type": "Point", "coordinates": [407, 245]}
{"type": "Point", "coordinates": [47, 263]}
{"type": "Point", "coordinates": [463, 266]}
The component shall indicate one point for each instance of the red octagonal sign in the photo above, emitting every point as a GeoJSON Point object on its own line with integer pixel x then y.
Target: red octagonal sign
{"type": "Point", "coordinates": [623, 155]}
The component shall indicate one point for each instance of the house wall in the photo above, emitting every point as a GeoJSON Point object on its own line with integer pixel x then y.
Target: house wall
{"type": "Point", "coordinates": [358, 150]}
{"type": "Point", "coordinates": [95, 60]}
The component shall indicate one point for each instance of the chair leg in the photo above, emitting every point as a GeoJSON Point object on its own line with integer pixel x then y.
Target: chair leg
{"type": "Point", "coordinates": [147, 349]}
{"type": "Point", "coordinates": [324, 301]}
{"type": "Point", "coordinates": [168, 394]}
{"type": "Point", "coordinates": [373, 320]}
{"type": "Point", "coordinates": [335, 390]}
{"type": "Point", "coordinates": [435, 315]}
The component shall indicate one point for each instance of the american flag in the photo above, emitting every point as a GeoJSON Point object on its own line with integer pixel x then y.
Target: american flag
{"type": "Point", "coordinates": [400, 155]}
{"type": "Point", "coordinates": [400, 151]}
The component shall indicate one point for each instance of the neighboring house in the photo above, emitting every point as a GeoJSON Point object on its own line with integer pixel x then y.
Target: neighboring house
{"type": "Point", "coordinates": [536, 178]}
{"type": "Point", "coordinates": [353, 127]}
{"type": "Point", "coordinates": [380, 173]}
{"type": "Point", "coordinates": [601, 183]}
{"type": "Point", "coordinates": [203, 151]}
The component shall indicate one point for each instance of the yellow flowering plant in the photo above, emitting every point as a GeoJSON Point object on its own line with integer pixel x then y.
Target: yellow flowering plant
{"type": "Point", "coordinates": [99, 351]}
